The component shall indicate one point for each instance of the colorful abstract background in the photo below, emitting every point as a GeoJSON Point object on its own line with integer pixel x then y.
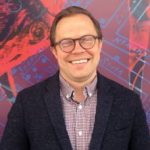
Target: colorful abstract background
{"type": "Point", "coordinates": [26, 58]}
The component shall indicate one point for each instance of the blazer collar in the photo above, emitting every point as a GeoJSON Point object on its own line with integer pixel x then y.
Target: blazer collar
{"type": "Point", "coordinates": [55, 111]}
{"type": "Point", "coordinates": [104, 103]}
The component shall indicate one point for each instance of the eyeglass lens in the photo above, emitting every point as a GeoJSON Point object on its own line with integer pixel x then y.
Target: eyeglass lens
{"type": "Point", "coordinates": [86, 42]}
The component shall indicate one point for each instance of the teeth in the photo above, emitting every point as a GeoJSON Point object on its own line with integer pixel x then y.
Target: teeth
{"type": "Point", "coordinates": [79, 61]}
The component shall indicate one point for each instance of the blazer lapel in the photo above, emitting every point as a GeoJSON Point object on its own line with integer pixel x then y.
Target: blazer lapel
{"type": "Point", "coordinates": [55, 111]}
{"type": "Point", "coordinates": [104, 103]}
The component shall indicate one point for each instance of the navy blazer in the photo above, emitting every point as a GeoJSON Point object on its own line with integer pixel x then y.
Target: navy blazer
{"type": "Point", "coordinates": [36, 120]}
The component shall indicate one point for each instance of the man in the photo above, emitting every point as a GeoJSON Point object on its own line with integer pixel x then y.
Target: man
{"type": "Point", "coordinates": [77, 108]}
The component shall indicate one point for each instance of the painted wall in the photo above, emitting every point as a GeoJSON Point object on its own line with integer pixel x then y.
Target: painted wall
{"type": "Point", "coordinates": [25, 56]}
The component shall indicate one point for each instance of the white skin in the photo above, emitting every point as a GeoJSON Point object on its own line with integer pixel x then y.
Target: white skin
{"type": "Point", "coordinates": [77, 75]}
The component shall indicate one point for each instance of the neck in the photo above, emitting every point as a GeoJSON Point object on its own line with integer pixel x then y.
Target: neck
{"type": "Point", "coordinates": [78, 85]}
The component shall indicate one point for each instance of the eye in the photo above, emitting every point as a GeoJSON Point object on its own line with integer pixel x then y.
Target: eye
{"type": "Point", "coordinates": [87, 38]}
{"type": "Point", "coordinates": [66, 43]}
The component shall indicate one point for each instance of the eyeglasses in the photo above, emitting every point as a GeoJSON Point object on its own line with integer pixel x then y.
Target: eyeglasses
{"type": "Point", "coordinates": [86, 42]}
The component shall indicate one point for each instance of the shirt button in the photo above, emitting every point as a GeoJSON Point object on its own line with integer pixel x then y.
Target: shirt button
{"type": "Point", "coordinates": [67, 96]}
{"type": "Point", "coordinates": [90, 94]}
{"type": "Point", "coordinates": [80, 107]}
{"type": "Point", "coordinates": [80, 133]}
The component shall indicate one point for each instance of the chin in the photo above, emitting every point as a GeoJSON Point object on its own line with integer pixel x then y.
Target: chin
{"type": "Point", "coordinates": [81, 76]}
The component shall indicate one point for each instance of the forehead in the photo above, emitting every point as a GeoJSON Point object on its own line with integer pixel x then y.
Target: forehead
{"type": "Point", "coordinates": [74, 26]}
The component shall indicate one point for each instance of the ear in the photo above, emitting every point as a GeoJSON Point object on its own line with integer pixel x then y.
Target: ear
{"type": "Point", "coordinates": [54, 51]}
{"type": "Point", "coordinates": [100, 44]}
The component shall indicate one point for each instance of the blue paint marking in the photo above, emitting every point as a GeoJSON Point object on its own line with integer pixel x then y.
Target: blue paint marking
{"type": "Point", "coordinates": [18, 87]}
{"type": "Point", "coordinates": [43, 11]}
{"type": "Point", "coordinates": [5, 87]}
{"type": "Point", "coordinates": [34, 69]}
{"type": "Point", "coordinates": [145, 62]}
{"type": "Point", "coordinates": [14, 71]}
{"type": "Point", "coordinates": [117, 75]}
{"type": "Point", "coordinates": [126, 20]}
{"type": "Point", "coordinates": [136, 6]}
{"type": "Point", "coordinates": [114, 73]}
{"type": "Point", "coordinates": [126, 38]}
{"type": "Point", "coordinates": [102, 22]}
{"type": "Point", "coordinates": [119, 62]}
{"type": "Point", "coordinates": [122, 65]}
{"type": "Point", "coordinates": [19, 2]}
{"type": "Point", "coordinates": [44, 59]}
{"type": "Point", "coordinates": [71, 3]}
{"type": "Point", "coordinates": [83, 3]}
{"type": "Point", "coordinates": [114, 14]}
{"type": "Point", "coordinates": [116, 58]}
{"type": "Point", "coordinates": [38, 77]}
{"type": "Point", "coordinates": [144, 79]}
{"type": "Point", "coordinates": [124, 51]}
{"type": "Point", "coordinates": [27, 65]}
{"type": "Point", "coordinates": [121, 27]}
{"type": "Point", "coordinates": [108, 65]}
{"type": "Point", "coordinates": [12, 99]}
{"type": "Point", "coordinates": [27, 77]}
{"type": "Point", "coordinates": [29, 69]}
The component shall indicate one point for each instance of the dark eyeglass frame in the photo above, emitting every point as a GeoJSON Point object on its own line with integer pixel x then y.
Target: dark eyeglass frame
{"type": "Point", "coordinates": [80, 42]}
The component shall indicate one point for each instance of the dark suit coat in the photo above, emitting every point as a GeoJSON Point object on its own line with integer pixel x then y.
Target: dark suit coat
{"type": "Point", "coordinates": [36, 120]}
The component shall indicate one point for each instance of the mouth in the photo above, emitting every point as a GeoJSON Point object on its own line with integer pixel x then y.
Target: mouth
{"type": "Point", "coordinates": [81, 61]}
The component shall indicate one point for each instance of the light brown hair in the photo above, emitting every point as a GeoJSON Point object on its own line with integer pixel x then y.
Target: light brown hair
{"type": "Point", "coordinates": [70, 11]}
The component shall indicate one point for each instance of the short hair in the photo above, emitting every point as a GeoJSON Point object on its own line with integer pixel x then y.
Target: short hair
{"type": "Point", "coordinates": [70, 11]}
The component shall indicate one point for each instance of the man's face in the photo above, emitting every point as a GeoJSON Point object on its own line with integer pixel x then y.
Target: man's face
{"type": "Point", "coordinates": [80, 64]}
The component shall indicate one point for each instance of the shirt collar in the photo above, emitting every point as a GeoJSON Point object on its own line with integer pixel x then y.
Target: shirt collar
{"type": "Point", "coordinates": [68, 91]}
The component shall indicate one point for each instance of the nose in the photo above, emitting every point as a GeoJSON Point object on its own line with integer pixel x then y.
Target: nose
{"type": "Point", "coordinates": [78, 48]}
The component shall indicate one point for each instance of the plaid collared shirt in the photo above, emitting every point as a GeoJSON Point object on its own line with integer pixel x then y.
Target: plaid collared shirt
{"type": "Point", "coordinates": [79, 117]}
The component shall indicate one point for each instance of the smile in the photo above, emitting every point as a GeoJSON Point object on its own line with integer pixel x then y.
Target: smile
{"type": "Point", "coordinates": [79, 61]}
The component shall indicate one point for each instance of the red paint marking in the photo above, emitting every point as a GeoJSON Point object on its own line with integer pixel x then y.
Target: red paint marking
{"type": "Point", "coordinates": [25, 44]}
{"type": "Point", "coordinates": [139, 38]}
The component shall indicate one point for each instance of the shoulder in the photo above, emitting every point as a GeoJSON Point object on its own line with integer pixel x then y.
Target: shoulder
{"type": "Point", "coordinates": [125, 101]}
{"type": "Point", "coordinates": [38, 89]}
{"type": "Point", "coordinates": [122, 96]}
{"type": "Point", "coordinates": [115, 87]}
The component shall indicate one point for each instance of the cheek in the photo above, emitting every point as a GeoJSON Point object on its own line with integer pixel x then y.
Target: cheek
{"type": "Point", "coordinates": [96, 58]}
{"type": "Point", "coordinates": [61, 59]}
{"type": "Point", "coordinates": [95, 54]}
{"type": "Point", "coordinates": [98, 54]}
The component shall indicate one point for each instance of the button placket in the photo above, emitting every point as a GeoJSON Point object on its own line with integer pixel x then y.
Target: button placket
{"type": "Point", "coordinates": [79, 126]}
